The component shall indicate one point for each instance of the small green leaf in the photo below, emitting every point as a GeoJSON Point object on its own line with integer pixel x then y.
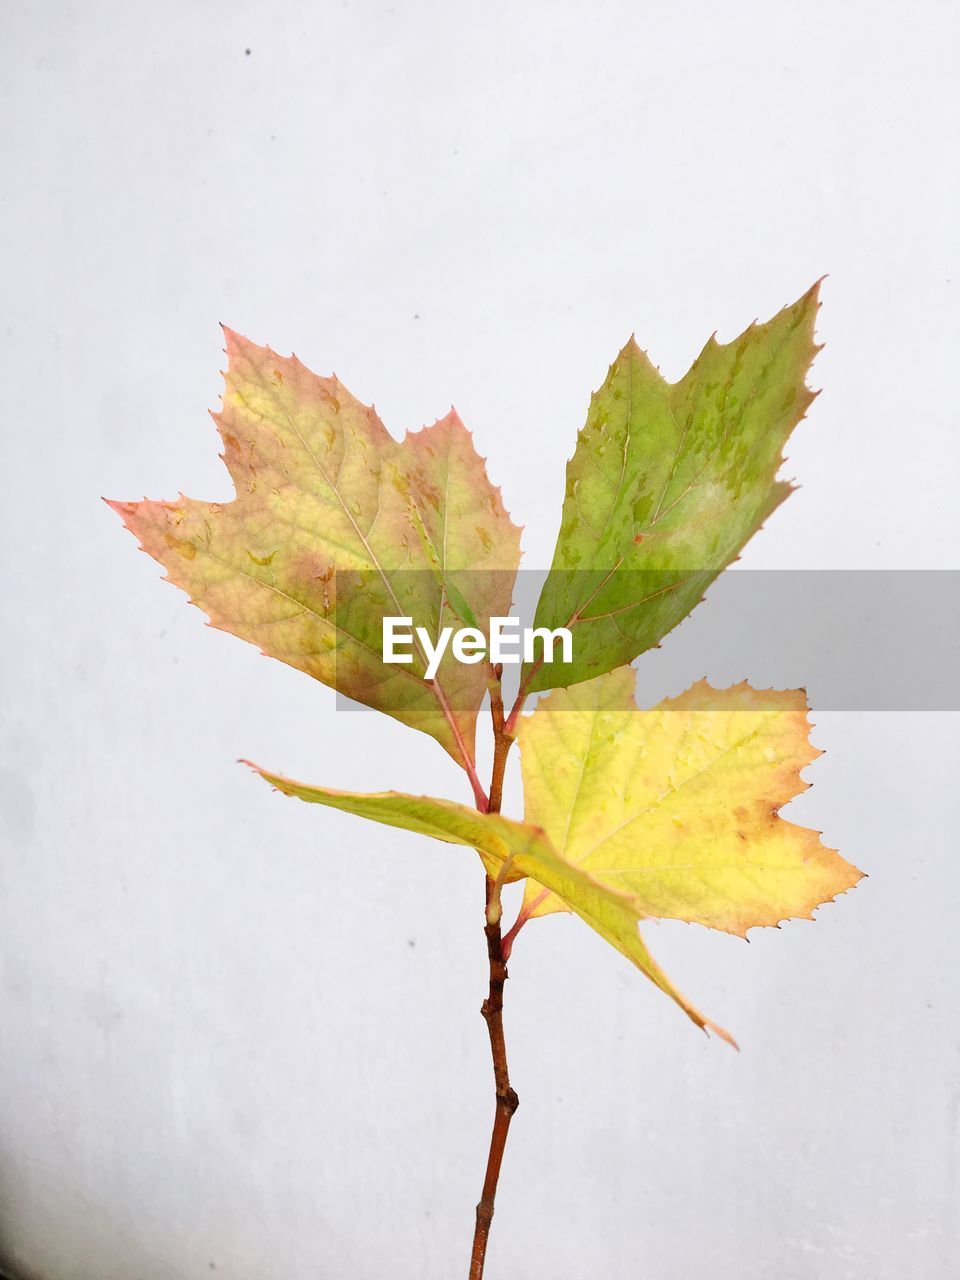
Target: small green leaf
{"type": "Point", "coordinates": [667, 484]}
{"type": "Point", "coordinates": [511, 851]}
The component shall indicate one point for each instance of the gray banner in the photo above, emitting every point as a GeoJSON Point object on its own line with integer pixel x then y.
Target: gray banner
{"type": "Point", "coordinates": [856, 640]}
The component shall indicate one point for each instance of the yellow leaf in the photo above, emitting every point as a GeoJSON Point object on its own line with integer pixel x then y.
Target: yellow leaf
{"type": "Point", "coordinates": [678, 807]}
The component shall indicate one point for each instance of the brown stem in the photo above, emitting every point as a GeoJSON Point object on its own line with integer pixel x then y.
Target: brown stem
{"type": "Point", "coordinates": [492, 1008]}
{"type": "Point", "coordinates": [506, 1099]}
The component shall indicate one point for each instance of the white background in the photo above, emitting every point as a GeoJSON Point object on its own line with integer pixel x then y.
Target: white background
{"type": "Point", "coordinates": [240, 1036]}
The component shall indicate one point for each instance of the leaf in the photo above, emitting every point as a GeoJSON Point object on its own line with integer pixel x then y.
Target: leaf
{"type": "Point", "coordinates": [678, 807]}
{"type": "Point", "coordinates": [667, 484]}
{"type": "Point", "coordinates": [510, 850]}
{"type": "Point", "coordinates": [334, 526]}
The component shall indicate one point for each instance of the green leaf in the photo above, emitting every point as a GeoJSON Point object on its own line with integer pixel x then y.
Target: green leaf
{"type": "Point", "coordinates": [667, 484]}
{"type": "Point", "coordinates": [335, 526]}
{"type": "Point", "coordinates": [510, 850]}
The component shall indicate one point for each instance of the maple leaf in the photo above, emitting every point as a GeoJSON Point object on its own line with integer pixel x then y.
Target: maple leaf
{"type": "Point", "coordinates": [510, 850]}
{"type": "Point", "coordinates": [666, 485]}
{"type": "Point", "coordinates": [678, 807]}
{"type": "Point", "coordinates": [334, 526]}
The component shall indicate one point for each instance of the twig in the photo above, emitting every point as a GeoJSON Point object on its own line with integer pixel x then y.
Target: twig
{"type": "Point", "coordinates": [492, 1008]}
